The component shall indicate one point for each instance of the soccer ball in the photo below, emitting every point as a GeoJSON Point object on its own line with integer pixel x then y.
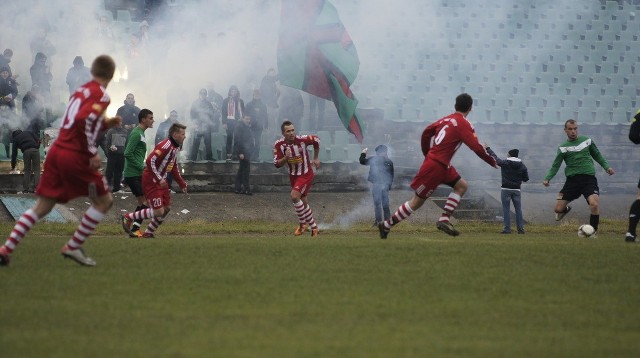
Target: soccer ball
{"type": "Point", "coordinates": [586, 230]}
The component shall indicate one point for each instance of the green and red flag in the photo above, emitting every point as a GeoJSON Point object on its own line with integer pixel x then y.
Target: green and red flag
{"type": "Point", "coordinates": [316, 55]}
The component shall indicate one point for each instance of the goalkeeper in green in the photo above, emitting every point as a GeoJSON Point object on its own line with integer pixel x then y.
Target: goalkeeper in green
{"type": "Point", "coordinates": [578, 153]}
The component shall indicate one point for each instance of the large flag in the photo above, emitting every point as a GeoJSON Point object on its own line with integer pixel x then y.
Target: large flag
{"type": "Point", "coordinates": [316, 55]}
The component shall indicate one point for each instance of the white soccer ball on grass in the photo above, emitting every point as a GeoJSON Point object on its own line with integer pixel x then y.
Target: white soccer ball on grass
{"type": "Point", "coordinates": [586, 230]}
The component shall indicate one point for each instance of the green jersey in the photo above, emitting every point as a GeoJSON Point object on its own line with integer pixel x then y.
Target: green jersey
{"type": "Point", "coordinates": [134, 153]}
{"type": "Point", "coordinates": [577, 156]}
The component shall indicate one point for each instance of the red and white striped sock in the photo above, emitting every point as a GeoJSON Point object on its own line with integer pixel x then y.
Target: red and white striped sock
{"type": "Point", "coordinates": [308, 217]}
{"type": "Point", "coordinates": [403, 212]}
{"type": "Point", "coordinates": [449, 206]}
{"type": "Point", "coordinates": [300, 210]}
{"type": "Point", "coordinates": [140, 214]}
{"type": "Point", "coordinates": [87, 226]}
{"type": "Point", "coordinates": [22, 227]}
{"type": "Point", "coordinates": [153, 225]}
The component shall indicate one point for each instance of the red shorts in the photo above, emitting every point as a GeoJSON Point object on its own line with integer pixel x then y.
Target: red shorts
{"type": "Point", "coordinates": [302, 183]}
{"type": "Point", "coordinates": [67, 175]}
{"type": "Point", "coordinates": [432, 174]}
{"type": "Point", "coordinates": [156, 196]}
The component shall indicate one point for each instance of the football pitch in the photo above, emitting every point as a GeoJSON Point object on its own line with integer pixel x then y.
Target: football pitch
{"type": "Point", "coordinates": [249, 292]}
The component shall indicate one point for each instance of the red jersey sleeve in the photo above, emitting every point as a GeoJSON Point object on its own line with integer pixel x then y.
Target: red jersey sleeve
{"type": "Point", "coordinates": [427, 134]}
{"type": "Point", "coordinates": [314, 141]}
{"type": "Point", "coordinates": [469, 137]}
{"type": "Point", "coordinates": [277, 152]}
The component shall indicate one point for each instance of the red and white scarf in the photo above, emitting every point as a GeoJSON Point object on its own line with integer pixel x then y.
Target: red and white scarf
{"type": "Point", "coordinates": [231, 108]}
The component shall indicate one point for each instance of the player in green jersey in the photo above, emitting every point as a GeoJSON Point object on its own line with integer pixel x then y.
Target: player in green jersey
{"type": "Point", "coordinates": [634, 211]}
{"type": "Point", "coordinates": [578, 153]}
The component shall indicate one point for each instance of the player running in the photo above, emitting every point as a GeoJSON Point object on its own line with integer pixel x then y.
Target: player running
{"type": "Point", "coordinates": [72, 166]}
{"type": "Point", "coordinates": [440, 141]}
{"type": "Point", "coordinates": [292, 150]}
{"type": "Point", "coordinates": [578, 153]}
{"type": "Point", "coordinates": [154, 181]}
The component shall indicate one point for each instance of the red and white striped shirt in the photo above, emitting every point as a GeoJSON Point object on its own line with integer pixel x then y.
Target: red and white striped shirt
{"type": "Point", "coordinates": [162, 160]}
{"type": "Point", "coordinates": [83, 119]}
{"type": "Point", "coordinates": [299, 162]}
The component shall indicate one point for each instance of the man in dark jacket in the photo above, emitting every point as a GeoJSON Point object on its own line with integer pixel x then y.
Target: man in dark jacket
{"type": "Point", "coordinates": [257, 110]}
{"type": "Point", "coordinates": [115, 141]}
{"type": "Point", "coordinates": [29, 144]}
{"type": "Point", "coordinates": [514, 172]}
{"type": "Point", "coordinates": [129, 112]}
{"type": "Point", "coordinates": [243, 143]}
{"type": "Point", "coordinates": [33, 109]}
{"type": "Point", "coordinates": [41, 75]}
{"type": "Point", "coordinates": [381, 178]}
{"type": "Point", "coordinates": [270, 93]}
{"type": "Point", "coordinates": [77, 75]}
{"type": "Point", "coordinates": [8, 89]}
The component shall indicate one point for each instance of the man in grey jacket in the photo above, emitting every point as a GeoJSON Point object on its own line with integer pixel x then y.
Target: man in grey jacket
{"type": "Point", "coordinates": [514, 172]}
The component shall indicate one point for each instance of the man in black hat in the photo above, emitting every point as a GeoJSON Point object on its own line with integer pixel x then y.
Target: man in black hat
{"type": "Point", "coordinates": [381, 178]}
{"type": "Point", "coordinates": [514, 172]}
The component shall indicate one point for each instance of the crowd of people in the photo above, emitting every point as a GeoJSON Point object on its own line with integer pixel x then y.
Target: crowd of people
{"type": "Point", "coordinates": [275, 110]}
{"type": "Point", "coordinates": [72, 170]}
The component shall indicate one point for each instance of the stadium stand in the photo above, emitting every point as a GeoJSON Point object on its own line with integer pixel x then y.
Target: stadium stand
{"type": "Point", "coordinates": [549, 50]}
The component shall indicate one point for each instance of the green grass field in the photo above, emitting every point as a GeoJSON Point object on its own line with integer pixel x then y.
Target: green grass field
{"type": "Point", "coordinates": [243, 291]}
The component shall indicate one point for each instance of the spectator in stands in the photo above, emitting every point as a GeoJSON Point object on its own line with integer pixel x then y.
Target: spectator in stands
{"type": "Point", "coordinates": [33, 109]}
{"type": "Point", "coordinates": [77, 75]}
{"type": "Point", "coordinates": [129, 112]}
{"type": "Point", "coordinates": [104, 30]}
{"type": "Point", "coordinates": [270, 94]}
{"type": "Point", "coordinates": [316, 112]}
{"type": "Point", "coordinates": [41, 76]}
{"type": "Point", "coordinates": [257, 110]}
{"type": "Point", "coordinates": [41, 44]}
{"type": "Point", "coordinates": [243, 144]}
{"type": "Point", "coordinates": [381, 177]}
{"type": "Point", "coordinates": [163, 128]}
{"type": "Point", "coordinates": [214, 97]}
{"type": "Point", "coordinates": [29, 144]}
{"type": "Point", "coordinates": [291, 106]}
{"type": "Point", "coordinates": [514, 172]}
{"type": "Point", "coordinates": [143, 33]}
{"type": "Point", "coordinates": [133, 49]}
{"type": "Point", "coordinates": [578, 153]}
{"type": "Point", "coordinates": [8, 122]}
{"type": "Point", "coordinates": [203, 119]}
{"type": "Point", "coordinates": [8, 89]}
{"type": "Point", "coordinates": [5, 59]}
{"type": "Point", "coordinates": [232, 111]}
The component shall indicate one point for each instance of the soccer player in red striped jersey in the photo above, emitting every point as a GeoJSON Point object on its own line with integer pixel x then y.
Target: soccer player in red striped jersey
{"type": "Point", "coordinates": [72, 166]}
{"type": "Point", "coordinates": [159, 163]}
{"type": "Point", "coordinates": [440, 141]}
{"type": "Point", "coordinates": [291, 149]}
